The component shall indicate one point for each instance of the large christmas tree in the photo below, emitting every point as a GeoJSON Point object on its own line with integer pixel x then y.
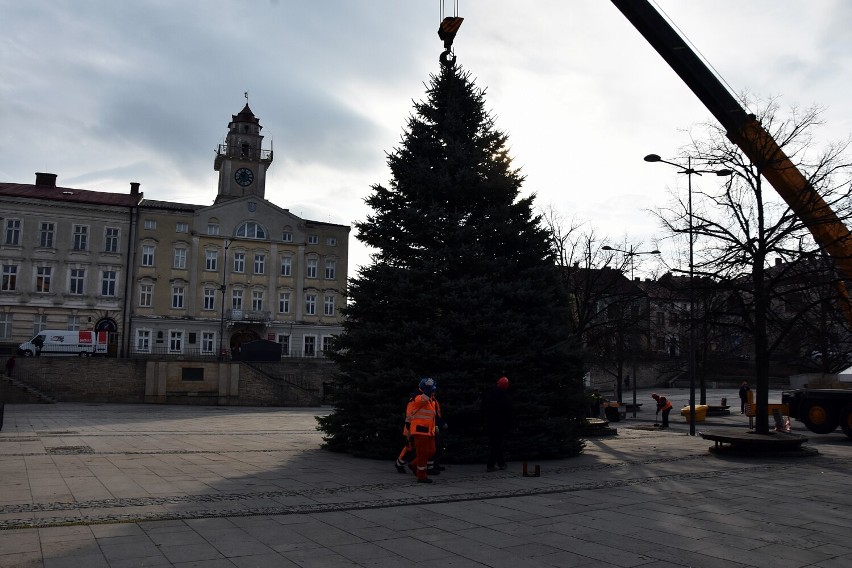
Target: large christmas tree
{"type": "Point", "coordinates": [463, 288]}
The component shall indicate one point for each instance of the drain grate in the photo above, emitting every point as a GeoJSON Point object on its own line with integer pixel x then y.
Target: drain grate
{"type": "Point", "coordinates": [69, 450]}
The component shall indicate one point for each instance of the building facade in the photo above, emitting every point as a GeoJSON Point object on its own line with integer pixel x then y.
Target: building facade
{"type": "Point", "coordinates": [172, 278]}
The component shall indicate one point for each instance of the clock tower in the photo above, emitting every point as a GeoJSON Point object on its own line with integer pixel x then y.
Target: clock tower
{"type": "Point", "coordinates": [240, 161]}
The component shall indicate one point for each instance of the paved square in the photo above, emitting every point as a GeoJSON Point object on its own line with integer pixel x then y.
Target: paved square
{"type": "Point", "coordinates": [86, 485]}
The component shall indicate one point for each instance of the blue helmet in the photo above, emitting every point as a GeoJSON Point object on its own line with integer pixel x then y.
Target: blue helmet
{"type": "Point", "coordinates": [428, 385]}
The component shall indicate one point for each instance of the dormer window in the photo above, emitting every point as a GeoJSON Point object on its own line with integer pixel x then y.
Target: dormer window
{"type": "Point", "coordinates": [251, 230]}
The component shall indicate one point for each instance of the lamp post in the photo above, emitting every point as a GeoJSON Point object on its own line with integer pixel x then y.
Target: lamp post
{"type": "Point", "coordinates": [222, 307]}
{"type": "Point", "coordinates": [632, 253]}
{"type": "Point", "coordinates": [689, 171]}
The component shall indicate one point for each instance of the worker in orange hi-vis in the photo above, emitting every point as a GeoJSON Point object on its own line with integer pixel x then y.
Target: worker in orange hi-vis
{"type": "Point", "coordinates": [422, 428]}
{"type": "Point", "coordinates": [664, 405]}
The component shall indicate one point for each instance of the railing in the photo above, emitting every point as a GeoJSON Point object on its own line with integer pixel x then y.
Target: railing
{"type": "Point", "coordinates": [243, 152]}
{"type": "Point", "coordinates": [196, 353]}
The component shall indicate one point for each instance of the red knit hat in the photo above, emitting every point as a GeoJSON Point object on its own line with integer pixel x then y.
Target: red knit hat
{"type": "Point", "coordinates": [503, 383]}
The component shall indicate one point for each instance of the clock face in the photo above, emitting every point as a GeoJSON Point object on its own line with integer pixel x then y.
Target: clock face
{"type": "Point", "coordinates": [244, 176]}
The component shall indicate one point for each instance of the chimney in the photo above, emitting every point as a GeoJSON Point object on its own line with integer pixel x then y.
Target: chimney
{"type": "Point", "coordinates": [777, 262]}
{"type": "Point", "coordinates": [45, 180]}
{"type": "Point", "coordinates": [134, 188]}
{"type": "Point", "coordinates": [576, 264]}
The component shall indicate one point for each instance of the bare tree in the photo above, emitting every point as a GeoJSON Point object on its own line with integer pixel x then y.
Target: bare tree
{"type": "Point", "coordinates": [750, 241]}
{"type": "Point", "coordinates": [609, 312]}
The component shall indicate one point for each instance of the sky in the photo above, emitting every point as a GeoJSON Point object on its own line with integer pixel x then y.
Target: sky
{"type": "Point", "coordinates": [104, 93]}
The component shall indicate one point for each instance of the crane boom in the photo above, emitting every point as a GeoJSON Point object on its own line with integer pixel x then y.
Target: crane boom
{"type": "Point", "coordinates": [744, 130]}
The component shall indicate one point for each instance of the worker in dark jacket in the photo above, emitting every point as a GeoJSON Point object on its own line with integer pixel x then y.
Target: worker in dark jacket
{"type": "Point", "coordinates": [497, 412]}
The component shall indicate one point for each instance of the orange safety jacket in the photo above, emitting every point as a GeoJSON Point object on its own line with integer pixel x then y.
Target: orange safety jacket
{"type": "Point", "coordinates": [422, 415]}
{"type": "Point", "coordinates": [663, 404]}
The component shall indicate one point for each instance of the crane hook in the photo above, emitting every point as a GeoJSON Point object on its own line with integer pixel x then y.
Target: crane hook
{"type": "Point", "coordinates": [447, 32]}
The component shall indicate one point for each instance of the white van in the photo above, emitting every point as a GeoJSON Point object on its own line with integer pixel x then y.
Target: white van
{"type": "Point", "coordinates": [62, 342]}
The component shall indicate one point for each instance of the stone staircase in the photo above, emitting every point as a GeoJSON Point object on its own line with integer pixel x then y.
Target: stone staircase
{"type": "Point", "coordinates": [13, 391]}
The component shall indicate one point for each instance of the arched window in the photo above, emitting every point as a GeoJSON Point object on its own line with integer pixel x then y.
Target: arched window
{"type": "Point", "coordinates": [251, 230]}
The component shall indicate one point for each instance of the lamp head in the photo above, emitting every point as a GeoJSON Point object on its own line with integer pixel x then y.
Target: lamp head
{"type": "Point", "coordinates": [724, 172]}
{"type": "Point", "coordinates": [607, 247]}
{"type": "Point", "coordinates": [652, 158]}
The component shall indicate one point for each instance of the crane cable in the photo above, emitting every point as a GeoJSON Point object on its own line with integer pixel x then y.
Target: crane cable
{"type": "Point", "coordinates": [447, 30]}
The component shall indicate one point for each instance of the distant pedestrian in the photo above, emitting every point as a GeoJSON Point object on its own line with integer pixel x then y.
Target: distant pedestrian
{"type": "Point", "coordinates": [10, 365]}
{"type": "Point", "coordinates": [595, 401]}
{"type": "Point", "coordinates": [664, 405]}
{"type": "Point", "coordinates": [743, 396]}
{"type": "Point", "coordinates": [497, 411]}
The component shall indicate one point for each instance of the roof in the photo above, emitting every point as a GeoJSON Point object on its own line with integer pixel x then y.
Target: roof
{"type": "Point", "coordinates": [170, 205]}
{"type": "Point", "coordinates": [245, 115]}
{"type": "Point", "coordinates": [69, 194]}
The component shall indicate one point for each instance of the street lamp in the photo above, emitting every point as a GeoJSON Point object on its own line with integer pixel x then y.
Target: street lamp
{"type": "Point", "coordinates": [222, 307]}
{"type": "Point", "coordinates": [631, 254]}
{"type": "Point", "coordinates": [689, 171]}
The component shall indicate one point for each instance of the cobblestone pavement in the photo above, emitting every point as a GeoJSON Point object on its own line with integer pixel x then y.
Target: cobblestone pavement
{"type": "Point", "coordinates": [91, 485]}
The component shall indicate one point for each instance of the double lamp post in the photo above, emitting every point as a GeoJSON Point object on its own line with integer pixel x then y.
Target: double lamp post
{"type": "Point", "coordinates": [690, 171]}
{"type": "Point", "coordinates": [631, 254]}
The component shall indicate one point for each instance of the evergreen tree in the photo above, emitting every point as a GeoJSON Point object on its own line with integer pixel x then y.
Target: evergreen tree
{"type": "Point", "coordinates": [463, 288]}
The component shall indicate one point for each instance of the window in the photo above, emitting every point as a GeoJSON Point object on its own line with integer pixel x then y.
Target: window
{"type": "Point", "coordinates": [81, 237]}
{"type": "Point", "coordinates": [13, 231]}
{"type": "Point", "coordinates": [46, 234]}
{"type": "Point", "coordinates": [175, 341]}
{"type": "Point", "coordinates": [284, 340]}
{"type": "Point", "coordinates": [10, 277]}
{"type": "Point", "coordinates": [147, 255]}
{"type": "Point", "coordinates": [313, 239]}
{"type": "Point", "coordinates": [661, 318]}
{"type": "Point", "coordinates": [5, 326]}
{"type": "Point", "coordinates": [146, 295]}
{"type": "Point", "coordinates": [251, 230]}
{"type": "Point", "coordinates": [39, 324]}
{"type": "Point", "coordinates": [286, 265]}
{"type": "Point", "coordinates": [284, 302]}
{"type": "Point", "coordinates": [257, 300]}
{"type": "Point", "coordinates": [150, 224]}
{"type": "Point", "coordinates": [180, 258]}
{"type": "Point", "coordinates": [211, 260]}
{"type": "Point", "coordinates": [73, 323]}
{"type": "Point", "coordinates": [330, 266]}
{"type": "Point", "coordinates": [310, 346]}
{"type": "Point", "coordinates": [312, 268]}
{"type": "Point", "coordinates": [209, 299]}
{"type": "Point", "coordinates": [212, 229]}
{"type": "Point", "coordinates": [326, 343]}
{"type": "Point", "coordinates": [239, 262]}
{"type": "Point", "coordinates": [208, 340]}
{"type": "Point", "coordinates": [177, 296]}
{"type": "Point", "coordinates": [182, 228]}
{"type": "Point", "coordinates": [43, 277]}
{"type": "Point", "coordinates": [237, 299]}
{"type": "Point", "coordinates": [77, 281]}
{"type": "Point", "coordinates": [331, 241]}
{"type": "Point", "coordinates": [108, 283]}
{"type": "Point", "coordinates": [259, 263]}
{"type": "Point", "coordinates": [287, 236]}
{"type": "Point", "coordinates": [310, 304]}
{"type": "Point", "coordinates": [328, 305]}
{"type": "Point", "coordinates": [111, 239]}
{"type": "Point", "coordinates": [143, 340]}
